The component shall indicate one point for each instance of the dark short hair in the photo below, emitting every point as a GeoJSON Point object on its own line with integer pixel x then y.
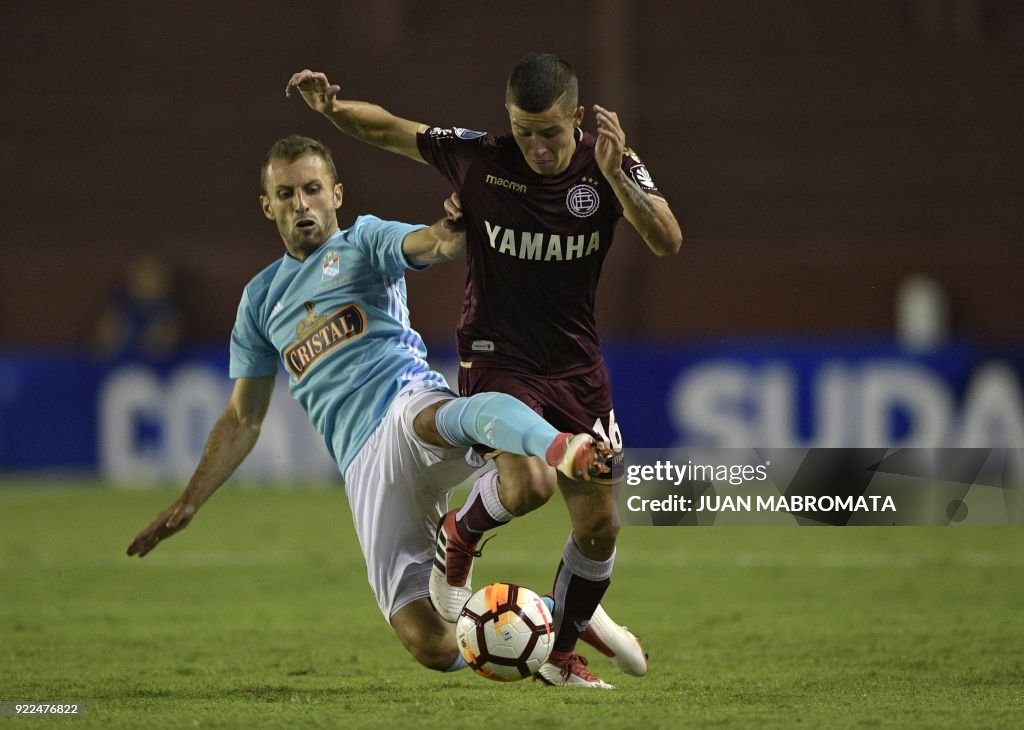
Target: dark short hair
{"type": "Point", "coordinates": [292, 148]}
{"type": "Point", "coordinates": [539, 80]}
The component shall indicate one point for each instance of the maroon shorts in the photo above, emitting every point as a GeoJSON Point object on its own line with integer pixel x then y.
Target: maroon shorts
{"type": "Point", "coordinates": [575, 404]}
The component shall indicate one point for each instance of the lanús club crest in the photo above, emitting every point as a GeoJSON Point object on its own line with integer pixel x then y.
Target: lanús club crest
{"type": "Point", "coordinates": [582, 199]}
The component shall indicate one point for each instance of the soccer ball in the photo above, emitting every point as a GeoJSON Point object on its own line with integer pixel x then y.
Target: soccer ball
{"type": "Point", "coordinates": [505, 632]}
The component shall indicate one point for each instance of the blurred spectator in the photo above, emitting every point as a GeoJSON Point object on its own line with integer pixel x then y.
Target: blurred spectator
{"type": "Point", "coordinates": [922, 313]}
{"type": "Point", "coordinates": [143, 319]}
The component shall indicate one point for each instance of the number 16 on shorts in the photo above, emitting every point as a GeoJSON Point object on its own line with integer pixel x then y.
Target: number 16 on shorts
{"type": "Point", "coordinates": [608, 429]}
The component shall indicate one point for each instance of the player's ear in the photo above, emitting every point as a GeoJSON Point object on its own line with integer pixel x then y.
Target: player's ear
{"type": "Point", "coordinates": [577, 117]}
{"type": "Point", "coordinates": [339, 191]}
{"type": "Point", "coordinates": [265, 205]}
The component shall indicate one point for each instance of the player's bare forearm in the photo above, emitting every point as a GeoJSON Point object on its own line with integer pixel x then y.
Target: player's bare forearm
{"type": "Point", "coordinates": [650, 216]}
{"type": "Point", "coordinates": [362, 120]}
{"type": "Point", "coordinates": [231, 439]}
{"type": "Point", "coordinates": [374, 124]}
{"type": "Point", "coordinates": [443, 241]}
{"type": "Point", "coordinates": [227, 446]}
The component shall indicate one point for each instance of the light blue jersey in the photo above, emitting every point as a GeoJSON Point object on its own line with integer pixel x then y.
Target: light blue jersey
{"type": "Point", "coordinates": [339, 321]}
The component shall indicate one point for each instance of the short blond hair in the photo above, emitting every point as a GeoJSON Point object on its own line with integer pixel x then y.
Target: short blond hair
{"type": "Point", "coordinates": [292, 148]}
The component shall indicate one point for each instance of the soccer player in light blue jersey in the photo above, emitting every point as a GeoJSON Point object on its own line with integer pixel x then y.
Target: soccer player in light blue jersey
{"type": "Point", "coordinates": [333, 311]}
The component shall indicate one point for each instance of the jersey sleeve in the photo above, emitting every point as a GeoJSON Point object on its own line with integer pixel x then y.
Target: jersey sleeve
{"type": "Point", "coordinates": [451, 150]}
{"type": "Point", "coordinates": [381, 243]}
{"type": "Point", "coordinates": [637, 171]}
{"type": "Point", "coordinates": [252, 355]}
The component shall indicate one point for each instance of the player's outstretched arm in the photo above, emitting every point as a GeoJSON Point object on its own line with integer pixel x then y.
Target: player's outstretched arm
{"type": "Point", "coordinates": [443, 241]}
{"type": "Point", "coordinates": [231, 439]}
{"type": "Point", "coordinates": [359, 119]}
{"type": "Point", "coordinates": [650, 215]}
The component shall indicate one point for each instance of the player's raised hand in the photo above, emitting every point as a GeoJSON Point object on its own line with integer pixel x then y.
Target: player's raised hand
{"type": "Point", "coordinates": [173, 519]}
{"type": "Point", "coordinates": [453, 208]}
{"type": "Point", "coordinates": [316, 90]}
{"type": "Point", "coordinates": [611, 141]}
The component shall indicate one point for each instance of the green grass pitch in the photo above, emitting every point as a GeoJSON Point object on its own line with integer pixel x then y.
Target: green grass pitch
{"type": "Point", "coordinates": [259, 615]}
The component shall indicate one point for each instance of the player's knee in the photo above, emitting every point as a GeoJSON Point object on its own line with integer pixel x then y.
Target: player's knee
{"type": "Point", "coordinates": [434, 654]}
{"type": "Point", "coordinates": [431, 649]}
{"type": "Point", "coordinates": [597, 532]}
{"type": "Point", "coordinates": [425, 635]}
{"type": "Point", "coordinates": [527, 489]}
{"type": "Point", "coordinates": [538, 490]}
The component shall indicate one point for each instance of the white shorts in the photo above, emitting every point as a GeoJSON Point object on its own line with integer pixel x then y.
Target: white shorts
{"type": "Point", "coordinates": [398, 488]}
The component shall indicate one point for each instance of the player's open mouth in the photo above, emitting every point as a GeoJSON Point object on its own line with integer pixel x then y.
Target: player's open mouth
{"type": "Point", "coordinates": [306, 224]}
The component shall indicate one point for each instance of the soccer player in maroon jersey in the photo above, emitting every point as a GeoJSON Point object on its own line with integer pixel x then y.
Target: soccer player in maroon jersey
{"type": "Point", "coordinates": [540, 205]}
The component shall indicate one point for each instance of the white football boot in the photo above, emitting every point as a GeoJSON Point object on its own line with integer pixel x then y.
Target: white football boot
{"type": "Point", "coordinates": [569, 669]}
{"type": "Point", "coordinates": [451, 576]}
{"type": "Point", "coordinates": [616, 642]}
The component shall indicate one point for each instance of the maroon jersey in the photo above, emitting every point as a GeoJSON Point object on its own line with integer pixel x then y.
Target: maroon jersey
{"type": "Point", "coordinates": [535, 247]}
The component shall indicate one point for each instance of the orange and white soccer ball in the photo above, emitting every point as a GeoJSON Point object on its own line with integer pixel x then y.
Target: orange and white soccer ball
{"type": "Point", "coordinates": [505, 632]}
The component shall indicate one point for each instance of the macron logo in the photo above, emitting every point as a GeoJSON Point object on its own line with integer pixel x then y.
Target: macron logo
{"type": "Point", "coordinates": [276, 310]}
{"type": "Point", "coordinates": [502, 182]}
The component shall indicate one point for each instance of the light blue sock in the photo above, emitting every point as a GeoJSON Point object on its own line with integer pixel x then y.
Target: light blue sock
{"type": "Point", "coordinates": [497, 420]}
{"type": "Point", "coordinates": [550, 603]}
{"type": "Point", "coordinates": [458, 664]}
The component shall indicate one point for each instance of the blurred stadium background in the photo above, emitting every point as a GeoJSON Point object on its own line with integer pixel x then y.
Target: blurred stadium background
{"type": "Point", "coordinates": [848, 176]}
